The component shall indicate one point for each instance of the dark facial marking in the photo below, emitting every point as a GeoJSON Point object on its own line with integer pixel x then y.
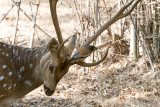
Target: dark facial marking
{"type": "Point", "coordinates": [51, 67]}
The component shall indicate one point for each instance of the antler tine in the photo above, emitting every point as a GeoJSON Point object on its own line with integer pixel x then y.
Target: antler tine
{"type": "Point", "coordinates": [60, 49]}
{"type": "Point", "coordinates": [53, 4]}
{"type": "Point", "coordinates": [124, 14]}
{"type": "Point", "coordinates": [72, 44]}
{"type": "Point", "coordinates": [84, 64]}
{"type": "Point", "coordinates": [120, 14]}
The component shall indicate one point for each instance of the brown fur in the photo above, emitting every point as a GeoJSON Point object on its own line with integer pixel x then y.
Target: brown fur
{"type": "Point", "coordinates": [24, 69]}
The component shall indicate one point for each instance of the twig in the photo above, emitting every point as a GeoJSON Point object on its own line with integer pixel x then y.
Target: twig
{"type": "Point", "coordinates": [121, 55]}
{"type": "Point", "coordinates": [17, 20]}
{"type": "Point", "coordinates": [105, 5]}
{"type": "Point", "coordinates": [34, 23]}
{"type": "Point", "coordinates": [77, 12]}
{"type": "Point", "coordinates": [143, 47]}
{"type": "Point", "coordinates": [30, 4]}
{"type": "Point", "coordinates": [79, 40]}
{"type": "Point", "coordinates": [31, 20]}
{"type": "Point", "coordinates": [120, 14]}
{"type": "Point", "coordinates": [109, 43]}
{"type": "Point", "coordinates": [22, 43]}
{"type": "Point", "coordinates": [7, 12]}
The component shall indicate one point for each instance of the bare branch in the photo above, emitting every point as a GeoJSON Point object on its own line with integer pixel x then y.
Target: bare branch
{"type": "Point", "coordinates": [93, 64]}
{"type": "Point", "coordinates": [17, 20]}
{"type": "Point", "coordinates": [53, 4]}
{"type": "Point", "coordinates": [120, 14]}
{"type": "Point", "coordinates": [99, 46]}
{"type": "Point", "coordinates": [130, 10]}
{"type": "Point", "coordinates": [34, 23]}
{"type": "Point", "coordinates": [31, 20]}
{"type": "Point", "coordinates": [143, 46]}
{"type": "Point", "coordinates": [4, 16]}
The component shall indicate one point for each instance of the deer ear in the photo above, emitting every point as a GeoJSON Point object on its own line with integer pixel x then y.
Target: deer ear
{"type": "Point", "coordinates": [52, 45]}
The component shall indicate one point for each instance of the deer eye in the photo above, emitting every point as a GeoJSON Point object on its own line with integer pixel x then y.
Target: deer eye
{"type": "Point", "coordinates": [51, 67]}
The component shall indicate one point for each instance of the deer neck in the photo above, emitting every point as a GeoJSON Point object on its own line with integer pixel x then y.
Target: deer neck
{"type": "Point", "coordinates": [27, 64]}
{"type": "Point", "coordinates": [19, 71]}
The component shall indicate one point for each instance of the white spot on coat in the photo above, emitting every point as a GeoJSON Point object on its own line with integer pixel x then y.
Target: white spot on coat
{"type": "Point", "coordinates": [35, 49]}
{"type": "Point", "coordinates": [13, 50]}
{"type": "Point", "coordinates": [16, 52]}
{"type": "Point", "coordinates": [42, 51]}
{"type": "Point", "coordinates": [1, 78]}
{"type": "Point", "coordinates": [4, 66]}
{"type": "Point", "coordinates": [22, 69]}
{"type": "Point", "coordinates": [4, 85]}
{"type": "Point", "coordinates": [36, 55]}
{"type": "Point", "coordinates": [3, 53]}
{"type": "Point", "coordinates": [10, 73]}
{"type": "Point", "coordinates": [9, 87]}
{"type": "Point", "coordinates": [14, 85]}
{"type": "Point", "coordinates": [28, 83]}
{"type": "Point", "coordinates": [7, 54]}
{"type": "Point", "coordinates": [31, 65]}
{"type": "Point", "coordinates": [19, 76]}
{"type": "Point", "coordinates": [30, 49]}
{"type": "Point", "coordinates": [4, 45]}
{"type": "Point", "coordinates": [9, 46]}
{"type": "Point", "coordinates": [19, 58]}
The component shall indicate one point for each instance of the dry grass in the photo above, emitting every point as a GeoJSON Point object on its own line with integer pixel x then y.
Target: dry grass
{"type": "Point", "coordinates": [127, 84]}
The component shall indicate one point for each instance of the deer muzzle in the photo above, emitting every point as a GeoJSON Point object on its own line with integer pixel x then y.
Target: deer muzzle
{"type": "Point", "coordinates": [48, 91]}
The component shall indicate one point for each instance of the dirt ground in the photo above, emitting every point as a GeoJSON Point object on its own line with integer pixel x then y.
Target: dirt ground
{"type": "Point", "coordinates": [118, 82]}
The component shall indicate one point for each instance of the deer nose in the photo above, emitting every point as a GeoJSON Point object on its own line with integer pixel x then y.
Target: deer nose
{"type": "Point", "coordinates": [48, 91]}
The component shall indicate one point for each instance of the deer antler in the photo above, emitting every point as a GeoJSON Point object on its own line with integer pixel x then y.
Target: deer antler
{"type": "Point", "coordinates": [72, 44]}
{"type": "Point", "coordinates": [53, 4]}
{"type": "Point", "coordinates": [95, 63]}
{"type": "Point", "coordinates": [121, 14]}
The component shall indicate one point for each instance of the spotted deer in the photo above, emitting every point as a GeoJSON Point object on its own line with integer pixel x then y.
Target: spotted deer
{"type": "Point", "coordinates": [24, 69]}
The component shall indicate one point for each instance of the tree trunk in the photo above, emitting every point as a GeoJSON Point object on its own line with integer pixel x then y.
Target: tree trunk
{"type": "Point", "coordinates": [155, 34]}
{"type": "Point", "coordinates": [134, 50]}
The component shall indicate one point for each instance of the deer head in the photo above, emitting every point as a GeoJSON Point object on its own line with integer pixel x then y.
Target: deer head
{"type": "Point", "coordinates": [55, 63]}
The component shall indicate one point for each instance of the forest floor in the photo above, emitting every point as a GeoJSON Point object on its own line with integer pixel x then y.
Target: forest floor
{"type": "Point", "coordinates": [118, 82]}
